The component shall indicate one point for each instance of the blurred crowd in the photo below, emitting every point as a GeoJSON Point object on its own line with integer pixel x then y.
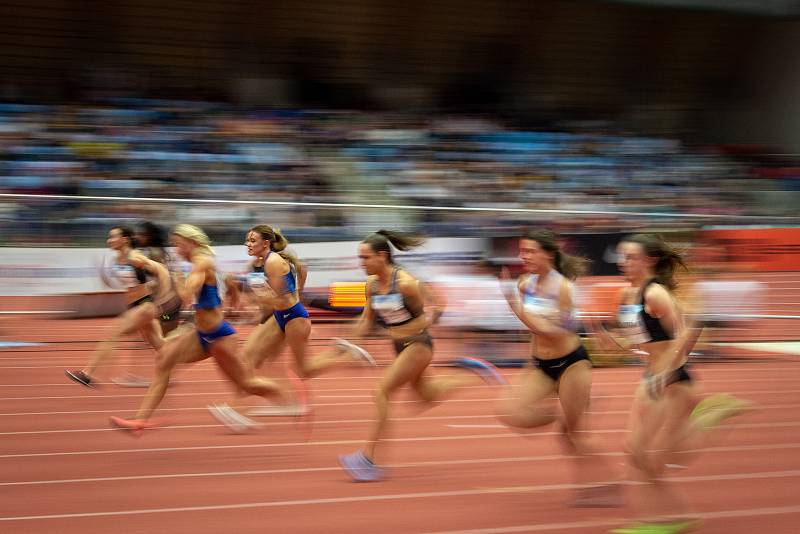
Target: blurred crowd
{"type": "Point", "coordinates": [132, 148]}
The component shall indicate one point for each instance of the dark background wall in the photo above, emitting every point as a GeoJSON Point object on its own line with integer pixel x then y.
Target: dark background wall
{"type": "Point", "coordinates": [712, 74]}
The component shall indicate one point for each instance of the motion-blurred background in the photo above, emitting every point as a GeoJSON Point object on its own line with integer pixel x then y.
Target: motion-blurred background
{"type": "Point", "coordinates": [589, 117]}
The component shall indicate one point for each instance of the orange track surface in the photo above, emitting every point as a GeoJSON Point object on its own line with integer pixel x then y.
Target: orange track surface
{"type": "Point", "coordinates": [452, 468]}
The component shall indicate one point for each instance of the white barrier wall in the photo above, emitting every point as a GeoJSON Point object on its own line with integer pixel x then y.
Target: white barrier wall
{"type": "Point", "coordinates": [51, 271]}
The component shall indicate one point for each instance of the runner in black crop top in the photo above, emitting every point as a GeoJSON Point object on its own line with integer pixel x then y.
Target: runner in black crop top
{"type": "Point", "coordinates": [652, 324]}
{"type": "Point", "coordinates": [396, 300]}
{"type": "Point", "coordinates": [662, 420]}
{"type": "Point", "coordinates": [150, 295]}
{"type": "Point", "coordinates": [636, 325]}
{"type": "Point", "coordinates": [391, 308]}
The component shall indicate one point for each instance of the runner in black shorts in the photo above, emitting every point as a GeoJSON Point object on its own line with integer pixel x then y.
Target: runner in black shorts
{"type": "Point", "coordinates": [665, 417]}
{"type": "Point", "coordinates": [153, 304]}
{"type": "Point", "coordinates": [400, 303]}
{"type": "Point", "coordinates": [544, 300]}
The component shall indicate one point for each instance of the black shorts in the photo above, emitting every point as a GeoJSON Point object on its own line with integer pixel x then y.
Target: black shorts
{"type": "Point", "coordinates": [555, 368]}
{"type": "Point", "coordinates": [171, 310]}
{"type": "Point", "coordinates": [137, 302]}
{"type": "Point", "coordinates": [401, 344]}
{"type": "Point", "coordinates": [681, 374]}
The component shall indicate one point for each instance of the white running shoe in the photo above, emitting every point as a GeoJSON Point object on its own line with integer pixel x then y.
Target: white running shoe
{"type": "Point", "coordinates": [236, 422]}
{"type": "Point", "coordinates": [357, 352]}
{"type": "Point", "coordinates": [131, 381]}
{"type": "Point", "coordinates": [289, 410]}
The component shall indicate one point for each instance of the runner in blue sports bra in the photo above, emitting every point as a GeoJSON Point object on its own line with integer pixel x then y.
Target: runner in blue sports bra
{"type": "Point", "coordinates": [276, 281]}
{"type": "Point", "coordinates": [212, 337]}
{"type": "Point", "coordinates": [544, 301]}
{"type": "Point", "coordinates": [665, 418]}
{"type": "Point", "coordinates": [400, 303]}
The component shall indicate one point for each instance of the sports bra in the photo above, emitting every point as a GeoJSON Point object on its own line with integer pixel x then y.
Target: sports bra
{"type": "Point", "coordinates": [208, 298]}
{"type": "Point", "coordinates": [129, 275]}
{"type": "Point", "coordinates": [390, 308]}
{"type": "Point", "coordinates": [544, 301]}
{"type": "Point", "coordinates": [289, 279]}
{"type": "Point", "coordinates": [637, 325]}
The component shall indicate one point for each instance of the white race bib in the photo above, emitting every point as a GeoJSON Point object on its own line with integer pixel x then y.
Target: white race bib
{"type": "Point", "coordinates": [126, 274]}
{"type": "Point", "coordinates": [540, 306]}
{"type": "Point", "coordinates": [257, 280]}
{"type": "Point", "coordinates": [390, 308]}
{"type": "Point", "coordinates": [630, 323]}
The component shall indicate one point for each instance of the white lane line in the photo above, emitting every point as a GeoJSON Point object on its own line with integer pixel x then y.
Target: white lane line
{"type": "Point", "coordinates": [515, 459]}
{"type": "Point", "coordinates": [420, 418]}
{"type": "Point", "coordinates": [504, 435]}
{"type": "Point", "coordinates": [742, 392]}
{"type": "Point", "coordinates": [289, 470]}
{"type": "Point", "coordinates": [403, 465]}
{"type": "Point", "coordinates": [254, 446]}
{"type": "Point", "coordinates": [222, 393]}
{"type": "Point", "coordinates": [358, 421]}
{"type": "Point", "coordinates": [323, 422]}
{"type": "Point", "coordinates": [595, 383]}
{"type": "Point", "coordinates": [424, 495]}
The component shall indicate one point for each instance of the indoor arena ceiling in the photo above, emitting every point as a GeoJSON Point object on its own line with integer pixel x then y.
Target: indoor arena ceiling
{"type": "Point", "coordinates": [780, 8]}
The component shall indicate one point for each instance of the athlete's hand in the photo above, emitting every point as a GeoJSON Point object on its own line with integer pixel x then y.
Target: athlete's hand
{"type": "Point", "coordinates": [508, 287]}
{"type": "Point", "coordinates": [103, 271]}
{"type": "Point", "coordinates": [601, 337]}
{"type": "Point", "coordinates": [657, 383]}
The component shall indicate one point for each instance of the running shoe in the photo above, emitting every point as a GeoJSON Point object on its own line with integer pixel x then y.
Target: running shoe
{"type": "Point", "coordinates": [236, 422]}
{"type": "Point", "coordinates": [488, 372]}
{"type": "Point", "coordinates": [360, 468]}
{"type": "Point", "coordinates": [358, 353]}
{"type": "Point", "coordinates": [667, 527]}
{"type": "Point", "coordinates": [80, 377]}
{"type": "Point", "coordinates": [130, 380]}
{"type": "Point", "coordinates": [274, 410]}
{"type": "Point", "coordinates": [134, 427]}
{"type": "Point", "coordinates": [712, 411]}
{"type": "Point", "coordinates": [304, 416]}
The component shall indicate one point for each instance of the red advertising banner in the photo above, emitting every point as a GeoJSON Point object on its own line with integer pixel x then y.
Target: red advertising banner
{"type": "Point", "coordinates": [759, 249]}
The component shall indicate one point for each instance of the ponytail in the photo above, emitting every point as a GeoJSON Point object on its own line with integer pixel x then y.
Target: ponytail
{"type": "Point", "coordinates": [277, 243]}
{"type": "Point", "coordinates": [668, 259]}
{"type": "Point", "coordinates": [380, 241]}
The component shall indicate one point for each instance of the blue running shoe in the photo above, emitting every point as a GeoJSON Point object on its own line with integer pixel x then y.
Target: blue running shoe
{"type": "Point", "coordinates": [488, 372]}
{"type": "Point", "coordinates": [360, 468]}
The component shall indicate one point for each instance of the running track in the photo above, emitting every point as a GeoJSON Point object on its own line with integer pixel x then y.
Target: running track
{"type": "Point", "coordinates": [453, 468]}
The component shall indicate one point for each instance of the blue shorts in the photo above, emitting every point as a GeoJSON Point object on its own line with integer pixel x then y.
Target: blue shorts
{"type": "Point", "coordinates": [207, 338]}
{"type": "Point", "coordinates": [295, 312]}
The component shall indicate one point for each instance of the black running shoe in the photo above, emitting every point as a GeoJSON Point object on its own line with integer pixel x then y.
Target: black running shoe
{"type": "Point", "coordinates": [80, 377]}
